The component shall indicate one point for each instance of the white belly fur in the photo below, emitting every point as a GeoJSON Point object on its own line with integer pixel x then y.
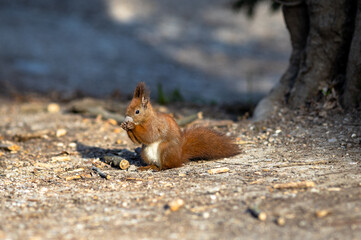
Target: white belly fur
{"type": "Point", "coordinates": [152, 153]}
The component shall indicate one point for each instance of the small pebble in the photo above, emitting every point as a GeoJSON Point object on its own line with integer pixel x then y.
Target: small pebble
{"type": "Point", "coordinates": [175, 205]}
{"type": "Point", "coordinates": [205, 215]}
{"type": "Point", "coordinates": [213, 190]}
{"type": "Point", "coordinates": [72, 145]}
{"type": "Point", "coordinates": [132, 168]}
{"type": "Point", "coordinates": [314, 190]}
{"type": "Point", "coordinates": [322, 213]}
{"type": "Point", "coordinates": [60, 132]}
{"type": "Point", "coordinates": [53, 108]}
{"type": "Point", "coordinates": [332, 140]}
{"type": "Point", "coordinates": [281, 221]}
{"type": "Point", "coordinates": [262, 216]}
{"type": "Point", "coordinates": [353, 135]}
{"type": "Point", "coordinates": [302, 223]}
{"type": "Point", "coordinates": [278, 131]}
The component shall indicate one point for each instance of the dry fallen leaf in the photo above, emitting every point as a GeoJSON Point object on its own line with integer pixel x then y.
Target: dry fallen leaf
{"type": "Point", "coordinates": [14, 148]}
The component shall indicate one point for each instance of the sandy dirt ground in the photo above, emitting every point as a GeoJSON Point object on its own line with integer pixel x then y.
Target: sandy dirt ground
{"type": "Point", "coordinates": [297, 178]}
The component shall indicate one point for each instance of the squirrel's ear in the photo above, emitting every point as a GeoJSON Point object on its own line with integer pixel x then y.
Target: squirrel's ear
{"type": "Point", "coordinates": [145, 101]}
{"type": "Point", "coordinates": [139, 90]}
{"type": "Point", "coordinates": [142, 92]}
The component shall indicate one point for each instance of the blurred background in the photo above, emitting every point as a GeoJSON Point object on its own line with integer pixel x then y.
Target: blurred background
{"type": "Point", "coordinates": [201, 51]}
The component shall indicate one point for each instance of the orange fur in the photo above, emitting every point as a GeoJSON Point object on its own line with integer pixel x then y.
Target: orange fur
{"type": "Point", "coordinates": [163, 142]}
{"type": "Point", "coordinates": [205, 143]}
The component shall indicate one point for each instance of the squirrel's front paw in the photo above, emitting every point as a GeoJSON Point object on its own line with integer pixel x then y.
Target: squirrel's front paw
{"type": "Point", "coordinates": [130, 125]}
{"type": "Point", "coordinates": [127, 125]}
{"type": "Point", "coordinates": [123, 125]}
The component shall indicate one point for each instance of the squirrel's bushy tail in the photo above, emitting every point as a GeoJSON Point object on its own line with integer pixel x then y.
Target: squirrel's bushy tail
{"type": "Point", "coordinates": [204, 143]}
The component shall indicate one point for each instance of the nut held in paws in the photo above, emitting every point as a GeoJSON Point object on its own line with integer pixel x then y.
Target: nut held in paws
{"type": "Point", "coordinates": [128, 119]}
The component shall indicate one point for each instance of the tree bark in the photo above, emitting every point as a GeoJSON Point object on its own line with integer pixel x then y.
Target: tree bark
{"type": "Point", "coordinates": [326, 49]}
{"type": "Point", "coordinates": [352, 96]}
{"type": "Point", "coordinates": [321, 34]}
{"type": "Point", "coordinates": [298, 26]}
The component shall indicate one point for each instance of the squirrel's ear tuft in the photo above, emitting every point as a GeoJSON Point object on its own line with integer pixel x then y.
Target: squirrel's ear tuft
{"type": "Point", "coordinates": [142, 92]}
{"type": "Point", "coordinates": [139, 90]}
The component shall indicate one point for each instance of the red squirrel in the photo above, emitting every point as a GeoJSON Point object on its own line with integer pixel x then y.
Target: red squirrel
{"type": "Point", "coordinates": [164, 144]}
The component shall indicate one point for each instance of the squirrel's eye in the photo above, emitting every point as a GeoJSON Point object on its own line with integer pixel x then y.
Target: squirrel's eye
{"type": "Point", "coordinates": [137, 112]}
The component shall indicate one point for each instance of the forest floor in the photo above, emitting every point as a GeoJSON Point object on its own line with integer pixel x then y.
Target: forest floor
{"type": "Point", "coordinates": [297, 178]}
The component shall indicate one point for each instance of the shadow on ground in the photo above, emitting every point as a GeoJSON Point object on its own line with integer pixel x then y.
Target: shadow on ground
{"type": "Point", "coordinates": [110, 156]}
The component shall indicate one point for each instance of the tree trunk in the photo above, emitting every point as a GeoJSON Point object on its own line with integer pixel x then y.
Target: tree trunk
{"type": "Point", "coordinates": [321, 33]}
{"type": "Point", "coordinates": [352, 96]}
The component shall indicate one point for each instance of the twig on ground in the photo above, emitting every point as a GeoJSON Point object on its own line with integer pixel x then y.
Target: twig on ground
{"type": "Point", "coordinates": [302, 163]}
{"type": "Point", "coordinates": [304, 184]}
{"type": "Point", "coordinates": [218, 170]}
{"type": "Point", "coordinates": [102, 174]}
{"type": "Point", "coordinates": [257, 213]}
